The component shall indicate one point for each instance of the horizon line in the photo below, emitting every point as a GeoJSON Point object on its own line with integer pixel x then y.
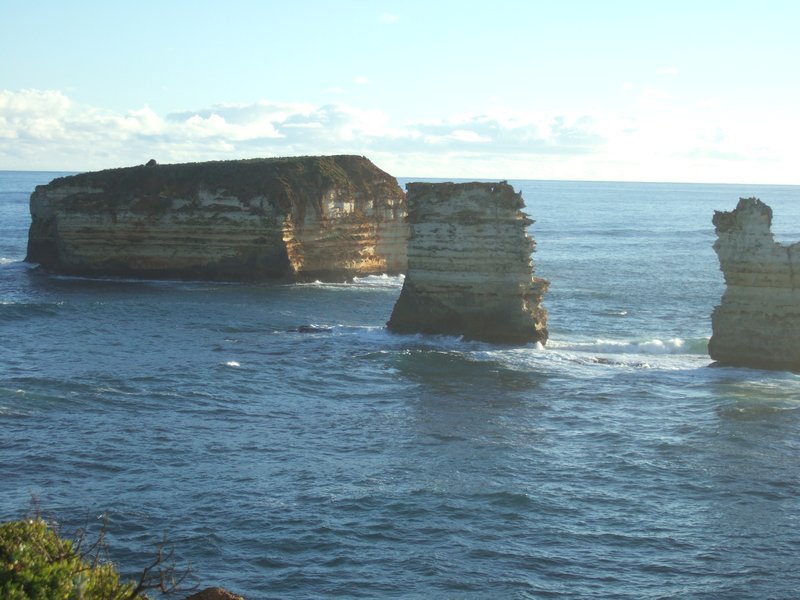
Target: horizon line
{"type": "Point", "coordinates": [466, 179]}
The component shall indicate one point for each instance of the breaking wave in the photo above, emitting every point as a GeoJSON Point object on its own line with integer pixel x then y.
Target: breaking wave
{"type": "Point", "coordinates": [380, 281]}
{"type": "Point", "coordinates": [383, 281]}
{"type": "Point", "coordinates": [653, 346]}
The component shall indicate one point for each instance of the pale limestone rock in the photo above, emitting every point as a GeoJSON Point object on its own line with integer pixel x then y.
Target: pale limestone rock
{"type": "Point", "coordinates": [329, 218]}
{"type": "Point", "coordinates": [757, 323]}
{"type": "Point", "coordinates": [470, 271]}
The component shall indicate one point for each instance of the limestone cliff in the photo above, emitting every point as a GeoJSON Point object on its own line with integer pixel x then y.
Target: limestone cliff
{"type": "Point", "coordinates": [328, 217]}
{"type": "Point", "coordinates": [757, 323]}
{"type": "Point", "coordinates": [469, 265]}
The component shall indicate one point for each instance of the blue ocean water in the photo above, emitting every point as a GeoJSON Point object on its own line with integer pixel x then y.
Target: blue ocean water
{"type": "Point", "coordinates": [613, 463]}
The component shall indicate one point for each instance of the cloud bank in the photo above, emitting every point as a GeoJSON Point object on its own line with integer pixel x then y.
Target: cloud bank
{"type": "Point", "coordinates": [45, 129]}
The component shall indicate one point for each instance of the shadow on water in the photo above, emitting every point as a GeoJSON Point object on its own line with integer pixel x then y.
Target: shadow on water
{"type": "Point", "coordinates": [753, 395]}
{"type": "Point", "coordinates": [458, 373]}
{"type": "Point", "coordinates": [745, 471]}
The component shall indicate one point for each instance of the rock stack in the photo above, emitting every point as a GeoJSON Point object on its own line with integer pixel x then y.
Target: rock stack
{"type": "Point", "coordinates": [757, 323]}
{"type": "Point", "coordinates": [311, 217]}
{"type": "Point", "coordinates": [470, 271]}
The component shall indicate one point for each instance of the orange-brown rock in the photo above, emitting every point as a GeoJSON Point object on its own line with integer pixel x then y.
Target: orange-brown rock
{"type": "Point", "coordinates": [324, 217]}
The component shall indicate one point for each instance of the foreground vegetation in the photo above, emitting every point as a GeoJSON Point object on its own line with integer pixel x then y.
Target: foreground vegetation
{"type": "Point", "coordinates": [37, 564]}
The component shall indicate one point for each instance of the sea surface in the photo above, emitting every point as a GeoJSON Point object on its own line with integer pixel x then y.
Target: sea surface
{"type": "Point", "coordinates": [349, 462]}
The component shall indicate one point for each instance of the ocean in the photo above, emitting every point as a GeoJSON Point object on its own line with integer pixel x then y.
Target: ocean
{"type": "Point", "coordinates": [350, 462]}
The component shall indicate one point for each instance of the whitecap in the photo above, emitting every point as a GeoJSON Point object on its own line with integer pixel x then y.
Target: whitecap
{"type": "Point", "coordinates": [382, 281]}
{"type": "Point", "coordinates": [647, 346]}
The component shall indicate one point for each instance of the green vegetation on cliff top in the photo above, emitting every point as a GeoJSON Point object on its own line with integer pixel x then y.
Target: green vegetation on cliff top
{"type": "Point", "coordinates": [285, 181]}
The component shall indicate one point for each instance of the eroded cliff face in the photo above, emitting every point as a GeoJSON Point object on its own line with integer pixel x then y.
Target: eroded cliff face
{"type": "Point", "coordinates": [757, 323]}
{"type": "Point", "coordinates": [328, 218]}
{"type": "Point", "coordinates": [470, 271]}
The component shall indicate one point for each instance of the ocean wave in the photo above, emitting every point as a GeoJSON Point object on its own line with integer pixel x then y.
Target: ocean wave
{"type": "Point", "coordinates": [651, 346]}
{"type": "Point", "coordinates": [12, 311]}
{"type": "Point", "coordinates": [339, 329]}
{"type": "Point", "coordinates": [383, 281]}
{"type": "Point", "coordinates": [149, 281]}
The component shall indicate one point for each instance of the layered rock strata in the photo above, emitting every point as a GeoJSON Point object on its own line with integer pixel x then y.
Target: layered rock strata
{"type": "Point", "coordinates": [470, 271]}
{"type": "Point", "coordinates": [328, 218]}
{"type": "Point", "coordinates": [757, 323]}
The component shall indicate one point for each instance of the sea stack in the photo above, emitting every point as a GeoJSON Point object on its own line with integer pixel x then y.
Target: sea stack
{"type": "Point", "coordinates": [757, 323]}
{"type": "Point", "coordinates": [304, 218]}
{"type": "Point", "coordinates": [470, 271]}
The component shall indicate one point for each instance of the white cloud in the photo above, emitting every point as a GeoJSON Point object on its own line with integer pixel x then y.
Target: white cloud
{"type": "Point", "coordinates": [32, 114]}
{"type": "Point", "coordinates": [46, 130]}
{"type": "Point", "coordinates": [471, 137]}
{"type": "Point", "coordinates": [710, 102]}
{"type": "Point", "coordinates": [33, 102]}
{"type": "Point", "coordinates": [673, 71]}
{"type": "Point", "coordinates": [387, 19]}
{"type": "Point", "coordinates": [653, 98]}
{"type": "Point", "coordinates": [143, 121]}
{"type": "Point", "coordinates": [361, 80]}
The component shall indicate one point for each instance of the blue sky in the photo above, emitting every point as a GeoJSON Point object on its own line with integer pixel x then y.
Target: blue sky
{"type": "Point", "coordinates": [613, 90]}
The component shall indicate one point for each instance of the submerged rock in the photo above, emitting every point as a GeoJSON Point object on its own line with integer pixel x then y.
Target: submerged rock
{"type": "Point", "coordinates": [323, 217]}
{"type": "Point", "coordinates": [470, 271]}
{"type": "Point", "coordinates": [757, 323]}
{"type": "Point", "coordinates": [314, 329]}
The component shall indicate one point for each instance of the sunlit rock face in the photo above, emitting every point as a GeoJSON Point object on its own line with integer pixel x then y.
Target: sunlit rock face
{"type": "Point", "coordinates": [757, 323]}
{"type": "Point", "coordinates": [470, 271]}
{"type": "Point", "coordinates": [303, 218]}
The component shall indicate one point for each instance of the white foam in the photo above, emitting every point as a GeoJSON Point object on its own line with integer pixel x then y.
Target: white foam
{"type": "Point", "coordinates": [383, 281]}
{"type": "Point", "coordinates": [232, 363]}
{"type": "Point", "coordinates": [380, 281]}
{"type": "Point", "coordinates": [653, 346]}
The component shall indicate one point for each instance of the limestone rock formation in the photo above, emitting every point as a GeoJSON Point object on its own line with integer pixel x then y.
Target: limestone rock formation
{"type": "Point", "coordinates": [329, 218]}
{"type": "Point", "coordinates": [469, 265]}
{"type": "Point", "coordinates": [757, 323]}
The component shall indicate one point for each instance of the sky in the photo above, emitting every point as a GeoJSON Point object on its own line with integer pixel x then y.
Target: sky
{"type": "Point", "coordinates": [645, 90]}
